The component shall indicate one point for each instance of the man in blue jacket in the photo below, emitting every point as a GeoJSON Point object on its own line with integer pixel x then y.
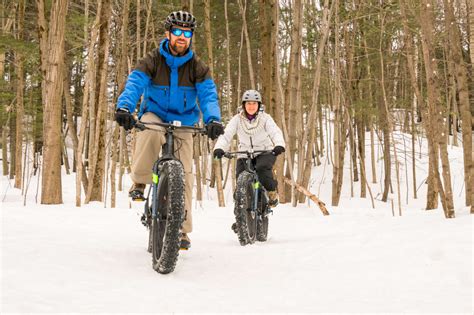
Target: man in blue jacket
{"type": "Point", "coordinates": [170, 78]}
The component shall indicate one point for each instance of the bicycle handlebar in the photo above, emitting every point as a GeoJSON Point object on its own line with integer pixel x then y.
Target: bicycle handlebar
{"type": "Point", "coordinates": [249, 154]}
{"type": "Point", "coordinates": [169, 126]}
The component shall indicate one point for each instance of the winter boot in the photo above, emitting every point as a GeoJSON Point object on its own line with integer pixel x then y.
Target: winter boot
{"type": "Point", "coordinates": [234, 227]}
{"type": "Point", "coordinates": [185, 242]}
{"type": "Point", "coordinates": [272, 198]}
{"type": "Point", "coordinates": [136, 192]}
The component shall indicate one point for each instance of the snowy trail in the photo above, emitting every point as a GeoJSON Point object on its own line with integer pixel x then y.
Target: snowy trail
{"type": "Point", "coordinates": [91, 259]}
{"type": "Point", "coordinates": [94, 260]}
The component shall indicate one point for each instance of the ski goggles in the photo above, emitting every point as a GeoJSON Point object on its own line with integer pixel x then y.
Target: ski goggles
{"type": "Point", "coordinates": [177, 32]}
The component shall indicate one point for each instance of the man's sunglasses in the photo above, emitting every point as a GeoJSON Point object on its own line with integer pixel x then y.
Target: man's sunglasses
{"type": "Point", "coordinates": [177, 32]}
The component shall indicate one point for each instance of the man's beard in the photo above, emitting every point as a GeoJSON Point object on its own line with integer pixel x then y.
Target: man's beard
{"type": "Point", "coordinates": [179, 49]}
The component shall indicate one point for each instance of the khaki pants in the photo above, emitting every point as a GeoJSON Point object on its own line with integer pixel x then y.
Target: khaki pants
{"type": "Point", "coordinates": [147, 150]}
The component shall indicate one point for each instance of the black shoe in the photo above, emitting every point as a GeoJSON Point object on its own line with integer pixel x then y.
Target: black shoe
{"type": "Point", "coordinates": [185, 242]}
{"type": "Point", "coordinates": [272, 199]}
{"type": "Point", "coordinates": [137, 192]}
{"type": "Point", "coordinates": [234, 227]}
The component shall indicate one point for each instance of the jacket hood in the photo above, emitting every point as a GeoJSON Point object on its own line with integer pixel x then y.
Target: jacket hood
{"type": "Point", "coordinates": [171, 60]}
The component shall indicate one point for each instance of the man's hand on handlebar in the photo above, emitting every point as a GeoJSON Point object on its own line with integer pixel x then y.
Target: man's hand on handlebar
{"type": "Point", "coordinates": [124, 118]}
{"type": "Point", "coordinates": [214, 130]}
{"type": "Point", "coordinates": [218, 153]}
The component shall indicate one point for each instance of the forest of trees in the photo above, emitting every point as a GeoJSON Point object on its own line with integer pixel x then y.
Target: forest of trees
{"type": "Point", "coordinates": [370, 68]}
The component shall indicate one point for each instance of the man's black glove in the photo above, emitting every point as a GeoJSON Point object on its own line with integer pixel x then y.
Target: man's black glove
{"type": "Point", "coordinates": [218, 154]}
{"type": "Point", "coordinates": [278, 150]}
{"type": "Point", "coordinates": [124, 118]}
{"type": "Point", "coordinates": [214, 130]}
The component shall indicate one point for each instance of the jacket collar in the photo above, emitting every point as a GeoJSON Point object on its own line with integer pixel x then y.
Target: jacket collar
{"type": "Point", "coordinates": [171, 60]}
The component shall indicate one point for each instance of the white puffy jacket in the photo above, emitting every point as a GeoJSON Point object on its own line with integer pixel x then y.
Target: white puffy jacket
{"type": "Point", "coordinates": [262, 133]}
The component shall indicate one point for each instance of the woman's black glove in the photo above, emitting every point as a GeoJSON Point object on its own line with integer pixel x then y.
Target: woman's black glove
{"type": "Point", "coordinates": [218, 154]}
{"type": "Point", "coordinates": [214, 130]}
{"type": "Point", "coordinates": [124, 118]}
{"type": "Point", "coordinates": [278, 150]}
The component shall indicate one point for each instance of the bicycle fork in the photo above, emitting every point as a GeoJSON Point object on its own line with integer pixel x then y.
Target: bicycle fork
{"type": "Point", "coordinates": [155, 179]}
{"type": "Point", "coordinates": [256, 186]}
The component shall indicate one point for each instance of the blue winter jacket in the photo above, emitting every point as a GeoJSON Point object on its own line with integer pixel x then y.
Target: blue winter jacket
{"type": "Point", "coordinates": [170, 85]}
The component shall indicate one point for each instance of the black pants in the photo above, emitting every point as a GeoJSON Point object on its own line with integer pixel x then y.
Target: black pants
{"type": "Point", "coordinates": [263, 166]}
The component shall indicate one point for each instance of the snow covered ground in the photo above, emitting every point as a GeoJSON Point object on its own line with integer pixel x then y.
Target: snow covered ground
{"type": "Point", "coordinates": [94, 260]}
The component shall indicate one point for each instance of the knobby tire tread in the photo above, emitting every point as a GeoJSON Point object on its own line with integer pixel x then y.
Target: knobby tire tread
{"type": "Point", "coordinates": [243, 199]}
{"type": "Point", "coordinates": [173, 172]}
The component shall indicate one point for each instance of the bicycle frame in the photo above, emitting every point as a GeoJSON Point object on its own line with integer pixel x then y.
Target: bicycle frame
{"type": "Point", "coordinates": [256, 184]}
{"type": "Point", "coordinates": [167, 151]}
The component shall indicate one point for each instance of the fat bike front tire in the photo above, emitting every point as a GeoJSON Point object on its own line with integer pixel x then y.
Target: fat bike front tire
{"type": "Point", "coordinates": [165, 229]}
{"type": "Point", "coordinates": [245, 218]}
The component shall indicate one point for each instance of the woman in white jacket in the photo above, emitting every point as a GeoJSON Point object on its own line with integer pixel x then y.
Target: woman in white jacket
{"type": "Point", "coordinates": [255, 130]}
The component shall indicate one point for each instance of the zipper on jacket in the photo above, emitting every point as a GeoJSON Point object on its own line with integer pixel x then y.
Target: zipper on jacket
{"type": "Point", "coordinates": [184, 101]}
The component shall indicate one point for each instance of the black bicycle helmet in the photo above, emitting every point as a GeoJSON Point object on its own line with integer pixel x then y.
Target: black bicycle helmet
{"type": "Point", "coordinates": [180, 18]}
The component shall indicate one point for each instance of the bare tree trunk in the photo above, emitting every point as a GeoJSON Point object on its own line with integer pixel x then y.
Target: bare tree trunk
{"type": "Point", "coordinates": [413, 151]}
{"type": "Point", "coordinates": [147, 23]}
{"type": "Point", "coordinates": [4, 149]}
{"type": "Point", "coordinates": [279, 105]}
{"type": "Point", "coordinates": [386, 150]}
{"type": "Point", "coordinates": [72, 128]}
{"type": "Point", "coordinates": [88, 86]}
{"type": "Point", "coordinates": [388, 128]}
{"type": "Point", "coordinates": [64, 155]}
{"type": "Point", "coordinates": [471, 51]}
{"type": "Point", "coordinates": [51, 180]}
{"type": "Point", "coordinates": [370, 117]}
{"type": "Point", "coordinates": [210, 61]}
{"type": "Point", "coordinates": [97, 163]}
{"type": "Point", "coordinates": [276, 100]}
{"type": "Point", "coordinates": [227, 109]}
{"type": "Point", "coordinates": [113, 167]}
{"type": "Point", "coordinates": [12, 137]}
{"type": "Point", "coordinates": [208, 33]}
{"type": "Point", "coordinates": [372, 152]}
{"type": "Point", "coordinates": [339, 122]}
{"type": "Point", "coordinates": [217, 167]}
{"type": "Point", "coordinates": [7, 23]}
{"type": "Point", "coordinates": [361, 150]}
{"type": "Point", "coordinates": [243, 9]}
{"type": "Point", "coordinates": [291, 91]}
{"type": "Point", "coordinates": [121, 76]}
{"type": "Point", "coordinates": [461, 74]}
{"type": "Point", "coordinates": [417, 95]}
{"type": "Point", "coordinates": [426, 22]}
{"type": "Point", "coordinates": [43, 42]}
{"type": "Point", "coordinates": [239, 71]}
{"type": "Point", "coordinates": [139, 41]}
{"type": "Point", "coordinates": [70, 120]}
{"type": "Point", "coordinates": [265, 10]}
{"type": "Point", "coordinates": [19, 96]}
{"type": "Point", "coordinates": [311, 121]}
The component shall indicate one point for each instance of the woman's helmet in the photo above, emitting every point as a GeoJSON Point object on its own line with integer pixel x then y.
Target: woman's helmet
{"type": "Point", "coordinates": [251, 96]}
{"type": "Point", "coordinates": [180, 18]}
